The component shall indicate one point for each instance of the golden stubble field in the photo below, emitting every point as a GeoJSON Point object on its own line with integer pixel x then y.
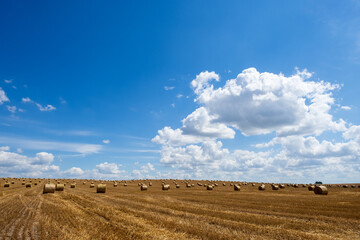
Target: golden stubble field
{"type": "Point", "coordinates": [179, 213]}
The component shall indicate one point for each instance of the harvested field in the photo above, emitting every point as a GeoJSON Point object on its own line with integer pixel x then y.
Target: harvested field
{"type": "Point", "coordinates": [179, 213]}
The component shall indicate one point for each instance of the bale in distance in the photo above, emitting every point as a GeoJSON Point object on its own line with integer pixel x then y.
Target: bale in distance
{"type": "Point", "coordinates": [59, 187]}
{"type": "Point", "coordinates": [12, 182]}
{"type": "Point", "coordinates": [23, 183]}
{"type": "Point", "coordinates": [101, 188]}
{"type": "Point", "coordinates": [177, 186]}
{"type": "Point", "coordinates": [143, 187]}
{"type": "Point", "coordinates": [321, 190]}
{"type": "Point", "coordinates": [237, 187]}
{"type": "Point", "coordinates": [311, 188]}
{"type": "Point", "coordinates": [115, 185]}
{"type": "Point", "coordinates": [275, 187]}
{"type": "Point", "coordinates": [49, 188]}
{"type": "Point", "coordinates": [209, 187]}
{"type": "Point", "coordinates": [262, 187]}
{"type": "Point", "coordinates": [92, 185]}
{"type": "Point", "coordinates": [7, 185]}
{"type": "Point", "coordinates": [166, 187]}
{"type": "Point", "coordinates": [345, 186]}
{"type": "Point", "coordinates": [28, 185]}
{"type": "Point", "coordinates": [125, 184]}
{"type": "Point", "coordinates": [73, 185]}
{"type": "Point", "coordinates": [282, 186]}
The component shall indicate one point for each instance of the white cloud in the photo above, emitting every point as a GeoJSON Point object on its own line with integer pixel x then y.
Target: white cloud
{"type": "Point", "coordinates": [144, 171]}
{"type": "Point", "coordinates": [62, 100]}
{"type": "Point", "coordinates": [74, 171]}
{"type": "Point", "coordinates": [11, 109]}
{"type": "Point", "coordinates": [106, 141]}
{"type": "Point", "coordinates": [8, 81]}
{"type": "Point", "coordinates": [3, 97]}
{"type": "Point", "coordinates": [46, 108]}
{"type": "Point", "coordinates": [14, 164]}
{"type": "Point", "coordinates": [346, 107]}
{"type": "Point", "coordinates": [179, 95]}
{"type": "Point", "coordinates": [169, 88]}
{"type": "Point", "coordinates": [34, 144]}
{"type": "Point", "coordinates": [26, 100]}
{"type": "Point", "coordinates": [295, 109]}
{"type": "Point", "coordinates": [108, 168]}
{"type": "Point", "coordinates": [19, 150]}
{"type": "Point", "coordinates": [201, 82]}
{"type": "Point", "coordinates": [173, 105]}
{"type": "Point", "coordinates": [5, 148]}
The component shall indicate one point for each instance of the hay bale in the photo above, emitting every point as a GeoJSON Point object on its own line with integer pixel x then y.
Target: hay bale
{"type": "Point", "coordinates": [282, 186]}
{"type": "Point", "coordinates": [253, 184]}
{"type": "Point", "coordinates": [345, 186]}
{"type": "Point", "coordinates": [92, 185]}
{"type": "Point", "coordinates": [101, 188]}
{"type": "Point", "coordinates": [275, 187]}
{"type": "Point", "coordinates": [23, 183]}
{"type": "Point", "coordinates": [311, 188]}
{"type": "Point", "coordinates": [73, 185]}
{"type": "Point", "coordinates": [49, 188]}
{"type": "Point", "coordinates": [321, 190]}
{"type": "Point", "coordinates": [125, 184]}
{"type": "Point", "coordinates": [231, 184]}
{"type": "Point", "coordinates": [150, 184]}
{"type": "Point", "coordinates": [59, 187]}
{"type": "Point", "coordinates": [7, 185]}
{"type": "Point", "coordinates": [12, 182]}
{"type": "Point", "coordinates": [353, 186]}
{"type": "Point", "coordinates": [28, 185]}
{"type": "Point", "coordinates": [177, 186]}
{"type": "Point", "coordinates": [115, 185]}
{"type": "Point", "coordinates": [237, 187]}
{"type": "Point", "coordinates": [209, 187]}
{"type": "Point", "coordinates": [262, 187]}
{"type": "Point", "coordinates": [188, 185]}
{"type": "Point", "coordinates": [36, 184]}
{"type": "Point", "coordinates": [143, 187]}
{"type": "Point", "coordinates": [295, 185]}
{"type": "Point", "coordinates": [166, 187]}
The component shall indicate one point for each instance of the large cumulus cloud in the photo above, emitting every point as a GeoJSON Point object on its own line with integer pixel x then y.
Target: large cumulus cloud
{"type": "Point", "coordinates": [296, 109]}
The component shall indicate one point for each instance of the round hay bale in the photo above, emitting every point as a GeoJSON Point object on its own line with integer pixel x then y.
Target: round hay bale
{"type": "Point", "coordinates": [262, 187]}
{"type": "Point", "coordinates": [345, 186]}
{"type": "Point", "coordinates": [23, 183]}
{"type": "Point", "coordinates": [84, 183]}
{"type": "Point", "coordinates": [177, 186]}
{"type": "Point", "coordinates": [28, 185]}
{"type": "Point", "coordinates": [12, 182]}
{"type": "Point", "coordinates": [296, 186]}
{"type": "Point", "coordinates": [92, 185]}
{"type": "Point", "coordinates": [353, 186]}
{"type": "Point", "coordinates": [101, 188]}
{"type": "Point", "coordinates": [59, 187]}
{"type": "Point", "coordinates": [36, 184]}
{"type": "Point", "coordinates": [125, 184]}
{"type": "Point", "coordinates": [231, 184]}
{"type": "Point", "coordinates": [237, 187]}
{"type": "Point", "coordinates": [311, 188]}
{"type": "Point", "coordinates": [150, 184]}
{"type": "Point", "coordinates": [7, 185]}
{"type": "Point", "coordinates": [166, 187]}
{"type": "Point", "coordinates": [321, 190]}
{"type": "Point", "coordinates": [143, 187]}
{"type": "Point", "coordinates": [224, 184]}
{"type": "Point", "coordinates": [209, 187]}
{"type": "Point", "coordinates": [73, 185]}
{"type": "Point", "coordinates": [281, 186]}
{"type": "Point", "coordinates": [275, 187]}
{"type": "Point", "coordinates": [115, 185]}
{"type": "Point", "coordinates": [253, 184]}
{"type": "Point", "coordinates": [188, 185]}
{"type": "Point", "coordinates": [49, 188]}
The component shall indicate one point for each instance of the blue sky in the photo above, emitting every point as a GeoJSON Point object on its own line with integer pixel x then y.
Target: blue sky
{"type": "Point", "coordinates": [103, 90]}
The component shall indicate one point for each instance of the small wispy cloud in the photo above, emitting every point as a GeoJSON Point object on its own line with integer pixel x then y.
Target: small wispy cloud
{"type": "Point", "coordinates": [62, 100]}
{"type": "Point", "coordinates": [11, 109]}
{"type": "Point", "coordinates": [106, 141]}
{"type": "Point", "coordinates": [167, 88]}
{"type": "Point", "coordinates": [3, 97]}
{"type": "Point", "coordinates": [179, 95]}
{"type": "Point", "coordinates": [42, 108]}
{"type": "Point", "coordinates": [8, 80]}
{"type": "Point", "coordinates": [173, 105]}
{"type": "Point", "coordinates": [34, 144]}
{"type": "Point", "coordinates": [346, 107]}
